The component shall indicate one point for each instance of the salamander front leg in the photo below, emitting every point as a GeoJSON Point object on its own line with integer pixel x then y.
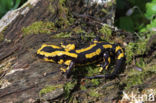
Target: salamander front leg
{"type": "Point", "coordinates": [69, 69]}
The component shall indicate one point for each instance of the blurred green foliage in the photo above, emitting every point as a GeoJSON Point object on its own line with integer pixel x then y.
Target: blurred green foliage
{"type": "Point", "coordinates": [6, 5]}
{"type": "Point", "coordinates": [150, 15]}
{"type": "Point", "coordinates": [150, 10]}
{"type": "Point", "coordinates": [136, 15]}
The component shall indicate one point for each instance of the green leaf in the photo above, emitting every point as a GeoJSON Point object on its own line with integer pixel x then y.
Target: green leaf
{"type": "Point", "coordinates": [126, 23]}
{"type": "Point", "coordinates": [9, 4]}
{"type": "Point", "coordinates": [150, 26]}
{"type": "Point", "coordinates": [17, 4]}
{"type": "Point", "coordinates": [150, 10]}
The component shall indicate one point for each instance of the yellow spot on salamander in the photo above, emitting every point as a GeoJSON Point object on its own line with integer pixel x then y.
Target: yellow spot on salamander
{"type": "Point", "coordinates": [106, 67]}
{"type": "Point", "coordinates": [97, 52]}
{"type": "Point", "coordinates": [64, 70]}
{"type": "Point", "coordinates": [120, 56]}
{"type": "Point", "coordinates": [107, 46]}
{"type": "Point", "coordinates": [49, 60]}
{"type": "Point", "coordinates": [85, 49]}
{"type": "Point", "coordinates": [67, 62]}
{"type": "Point", "coordinates": [61, 61]}
{"type": "Point", "coordinates": [100, 70]}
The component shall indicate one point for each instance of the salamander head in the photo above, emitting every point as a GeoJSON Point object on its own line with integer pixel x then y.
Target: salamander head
{"type": "Point", "coordinates": [48, 52]}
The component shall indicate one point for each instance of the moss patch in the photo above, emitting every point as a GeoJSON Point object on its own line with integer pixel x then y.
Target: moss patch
{"type": "Point", "coordinates": [1, 37]}
{"type": "Point", "coordinates": [135, 48]}
{"type": "Point", "coordinates": [63, 35]}
{"type": "Point", "coordinates": [68, 87]}
{"type": "Point", "coordinates": [39, 27]}
{"type": "Point", "coordinates": [138, 78]}
{"type": "Point", "coordinates": [106, 31]}
{"type": "Point", "coordinates": [94, 93]}
{"type": "Point", "coordinates": [78, 30]}
{"type": "Point", "coordinates": [51, 8]}
{"type": "Point", "coordinates": [63, 20]}
{"type": "Point", "coordinates": [49, 88]}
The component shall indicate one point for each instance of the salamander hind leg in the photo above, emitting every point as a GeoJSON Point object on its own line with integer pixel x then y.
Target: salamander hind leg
{"type": "Point", "coordinates": [105, 65]}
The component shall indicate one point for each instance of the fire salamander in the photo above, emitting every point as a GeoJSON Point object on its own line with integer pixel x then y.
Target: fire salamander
{"type": "Point", "coordinates": [96, 52]}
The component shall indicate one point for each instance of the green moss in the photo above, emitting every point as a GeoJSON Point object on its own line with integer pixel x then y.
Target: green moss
{"type": "Point", "coordinates": [39, 27]}
{"type": "Point", "coordinates": [51, 8]}
{"type": "Point", "coordinates": [104, 11]}
{"type": "Point", "coordinates": [78, 30]}
{"type": "Point", "coordinates": [86, 36]}
{"type": "Point", "coordinates": [62, 1]}
{"type": "Point", "coordinates": [62, 35]}
{"type": "Point", "coordinates": [68, 87]}
{"type": "Point", "coordinates": [130, 52]}
{"type": "Point", "coordinates": [138, 78]}
{"type": "Point", "coordinates": [82, 87]}
{"type": "Point", "coordinates": [110, 4]}
{"type": "Point", "coordinates": [63, 22]}
{"type": "Point", "coordinates": [134, 80]}
{"type": "Point", "coordinates": [71, 20]}
{"type": "Point", "coordinates": [138, 47]}
{"type": "Point", "coordinates": [64, 19]}
{"type": "Point", "coordinates": [49, 88]}
{"type": "Point", "coordinates": [90, 35]}
{"type": "Point", "coordinates": [92, 70]}
{"type": "Point", "coordinates": [106, 31]}
{"type": "Point", "coordinates": [93, 93]}
{"type": "Point", "coordinates": [135, 48]}
{"type": "Point", "coordinates": [2, 34]}
{"type": "Point", "coordinates": [141, 47]}
{"type": "Point", "coordinates": [1, 37]}
{"type": "Point", "coordinates": [152, 68]}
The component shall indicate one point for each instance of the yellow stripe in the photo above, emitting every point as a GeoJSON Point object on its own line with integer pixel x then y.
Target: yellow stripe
{"type": "Point", "coordinates": [57, 53]}
{"type": "Point", "coordinates": [107, 46]}
{"type": "Point", "coordinates": [106, 67]}
{"type": "Point", "coordinates": [85, 49]}
{"type": "Point", "coordinates": [122, 52]}
{"type": "Point", "coordinates": [67, 62]}
{"type": "Point", "coordinates": [120, 56]}
{"type": "Point", "coordinates": [109, 60]}
{"type": "Point", "coordinates": [54, 46]}
{"type": "Point", "coordinates": [97, 52]}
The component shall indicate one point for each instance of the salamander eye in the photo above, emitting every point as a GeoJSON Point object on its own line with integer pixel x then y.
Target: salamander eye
{"type": "Point", "coordinates": [48, 49]}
